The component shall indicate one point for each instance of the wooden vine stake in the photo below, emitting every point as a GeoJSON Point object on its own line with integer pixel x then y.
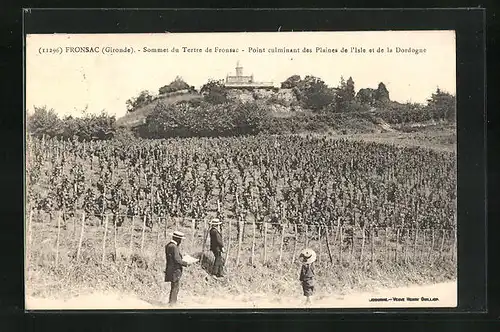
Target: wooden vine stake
{"type": "Point", "coordinates": [114, 239]}
{"type": "Point", "coordinates": [362, 244]}
{"type": "Point", "coordinates": [372, 245]}
{"type": "Point", "coordinates": [158, 233]}
{"type": "Point", "coordinates": [240, 239]}
{"type": "Point", "coordinates": [58, 236]}
{"type": "Point", "coordinates": [104, 239]}
{"type": "Point", "coordinates": [337, 231]}
{"type": "Point", "coordinates": [431, 249]}
{"type": "Point", "coordinates": [353, 236]}
{"type": "Point", "coordinates": [143, 232]}
{"type": "Point", "coordinates": [320, 243]}
{"type": "Point", "coordinates": [131, 237]}
{"type": "Point", "coordinates": [441, 247]}
{"type": "Point", "coordinates": [327, 235]}
{"type": "Point", "coordinates": [386, 247]}
{"type": "Point", "coordinates": [158, 230]}
{"type": "Point", "coordinates": [253, 243]}
{"type": "Point", "coordinates": [415, 241]}
{"type": "Point", "coordinates": [405, 248]}
{"type": "Point", "coordinates": [205, 235]}
{"type": "Point", "coordinates": [397, 245]}
{"type": "Point", "coordinates": [306, 235]}
{"type": "Point", "coordinates": [193, 231]}
{"type": "Point", "coordinates": [228, 242]}
{"type": "Point", "coordinates": [265, 242]}
{"type": "Point", "coordinates": [281, 241]}
{"type": "Point", "coordinates": [296, 239]}
{"type": "Point", "coordinates": [422, 247]}
{"type": "Point", "coordinates": [341, 238]}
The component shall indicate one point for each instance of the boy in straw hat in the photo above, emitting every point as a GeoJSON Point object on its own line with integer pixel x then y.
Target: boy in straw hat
{"type": "Point", "coordinates": [308, 257]}
{"type": "Point", "coordinates": [175, 263]}
{"type": "Point", "coordinates": [216, 247]}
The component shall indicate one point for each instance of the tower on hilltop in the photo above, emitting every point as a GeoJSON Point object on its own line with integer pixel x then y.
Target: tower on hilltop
{"type": "Point", "coordinates": [239, 69]}
{"type": "Point", "coordinates": [240, 81]}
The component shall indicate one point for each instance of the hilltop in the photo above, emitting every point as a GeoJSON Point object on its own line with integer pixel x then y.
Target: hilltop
{"type": "Point", "coordinates": [138, 117]}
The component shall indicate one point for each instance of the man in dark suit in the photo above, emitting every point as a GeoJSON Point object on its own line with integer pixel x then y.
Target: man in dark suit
{"type": "Point", "coordinates": [173, 272]}
{"type": "Point", "coordinates": [217, 247]}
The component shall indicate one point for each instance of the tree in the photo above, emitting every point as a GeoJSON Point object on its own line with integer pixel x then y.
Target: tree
{"type": "Point", "coordinates": [382, 94]}
{"type": "Point", "coordinates": [144, 98]}
{"type": "Point", "coordinates": [44, 122]}
{"type": "Point", "coordinates": [176, 85]}
{"type": "Point", "coordinates": [214, 92]}
{"type": "Point", "coordinates": [366, 96]}
{"type": "Point", "coordinates": [313, 93]}
{"type": "Point", "coordinates": [345, 94]}
{"type": "Point", "coordinates": [443, 104]}
{"type": "Point", "coordinates": [290, 82]}
{"type": "Point", "coordinates": [349, 90]}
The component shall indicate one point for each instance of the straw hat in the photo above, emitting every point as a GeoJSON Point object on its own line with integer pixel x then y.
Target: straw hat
{"type": "Point", "coordinates": [308, 256]}
{"type": "Point", "coordinates": [178, 235]}
{"type": "Point", "coordinates": [215, 221]}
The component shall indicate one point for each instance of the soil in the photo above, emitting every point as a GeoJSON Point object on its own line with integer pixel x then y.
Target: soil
{"type": "Point", "coordinates": [445, 293]}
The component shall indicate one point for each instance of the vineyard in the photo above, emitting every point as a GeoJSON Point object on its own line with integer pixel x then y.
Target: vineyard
{"type": "Point", "coordinates": [111, 205]}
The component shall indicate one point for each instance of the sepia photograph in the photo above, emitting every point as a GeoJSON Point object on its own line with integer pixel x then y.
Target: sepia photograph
{"type": "Point", "coordinates": [269, 170]}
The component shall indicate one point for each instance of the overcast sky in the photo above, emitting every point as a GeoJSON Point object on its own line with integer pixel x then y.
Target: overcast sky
{"type": "Point", "coordinates": [70, 82]}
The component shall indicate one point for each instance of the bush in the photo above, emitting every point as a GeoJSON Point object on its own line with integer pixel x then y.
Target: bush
{"type": "Point", "coordinates": [396, 113]}
{"type": "Point", "coordinates": [144, 98]}
{"type": "Point", "coordinates": [443, 104]}
{"type": "Point", "coordinates": [44, 122]}
{"type": "Point", "coordinates": [89, 127]}
{"type": "Point", "coordinates": [177, 85]}
{"type": "Point", "coordinates": [205, 119]}
{"type": "Point", "coordinates": [214, 92]}
{"type": "Point", "coordinates": [313, 93]}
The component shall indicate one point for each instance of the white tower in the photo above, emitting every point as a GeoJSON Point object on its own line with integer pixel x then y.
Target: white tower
{"type": "Point", "coordinates": [239, 69]}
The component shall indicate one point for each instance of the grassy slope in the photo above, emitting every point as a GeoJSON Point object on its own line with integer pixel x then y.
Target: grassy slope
{"type": "Point", "coordinates": [142, 273]}
{"type": "Point", "coordinates": [136, 118]}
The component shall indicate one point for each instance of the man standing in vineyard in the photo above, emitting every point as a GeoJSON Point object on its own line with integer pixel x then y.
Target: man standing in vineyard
{"type": "Point", "coordinates": [216, 247]}
{"type": "Point", "coordinates": [175, 264]}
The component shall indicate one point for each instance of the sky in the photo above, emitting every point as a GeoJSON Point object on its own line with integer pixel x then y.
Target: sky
{"type": "Point", "coordinates": [71, 81]}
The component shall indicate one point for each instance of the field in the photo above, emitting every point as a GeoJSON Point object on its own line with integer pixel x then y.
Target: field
{"type": "Point", "coordinates": [377, 214]}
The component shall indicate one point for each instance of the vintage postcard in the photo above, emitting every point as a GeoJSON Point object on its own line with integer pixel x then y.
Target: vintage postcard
{"type": "Point", "coordinates": [241, 170]}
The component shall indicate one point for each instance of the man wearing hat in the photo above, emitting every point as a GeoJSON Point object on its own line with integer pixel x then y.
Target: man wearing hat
{"type": "Point", "coordinates": [308, 257]}
{"type": "Point", "coordinates": [216, 247]}
{"type": "Point", "coordinates": [175, 264]}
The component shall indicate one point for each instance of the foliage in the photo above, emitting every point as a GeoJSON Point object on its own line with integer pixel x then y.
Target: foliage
{"type": "Point", "coordinates": [291, 82]}
{"type": "Point", "coordinates": [214, 92]}
{"type": "Point", "coordinates": [44, 122]}
{"type": "Point", "coordinates": [366, 96]}
{"type": "Point", "coordinates": [443, 104]}
{"type": "Point", "coordinates": [204, 119]}
{"type": "Point", "coordinates": [313, 93]}
{"type": "Point", "coordinates": [177, 85]}
{"type": "Point", "coordinates": [307, 179]}
{"type": "Point", "coordinates": [88, 127]}
{"type": "Point", "coordinates": [344, 95]}
{"type": "Point", "coordinates": [382, 94]}
{"type": "Point", "coordinates": [144, 98]}
{"type": "Point", "coordinates": [397, 113]}
{"type": "Point", "coordinates": [374, 97]}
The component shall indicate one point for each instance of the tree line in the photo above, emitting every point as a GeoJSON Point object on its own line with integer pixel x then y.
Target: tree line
{"type": "Point", "coordinates": [217, 115]}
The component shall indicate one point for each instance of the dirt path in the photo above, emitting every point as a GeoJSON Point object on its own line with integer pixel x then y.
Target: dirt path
{"type": "Point", "coordinates": [444, 292]}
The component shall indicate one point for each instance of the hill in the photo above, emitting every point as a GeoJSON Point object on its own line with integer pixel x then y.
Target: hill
{"type": "Point", "coordinates": [138, 117]}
